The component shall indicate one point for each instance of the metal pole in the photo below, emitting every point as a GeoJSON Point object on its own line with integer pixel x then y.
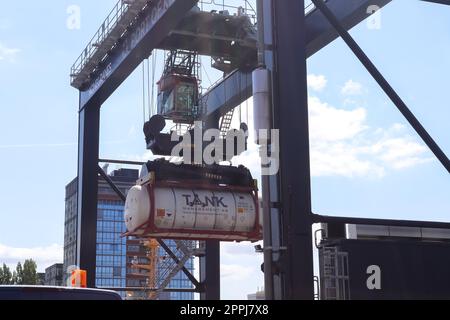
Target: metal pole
{"type": "Point", "coordinates": [384, 84]}
{"type": "Point", "coordinates": [125, 162]}
{"type": "Point", "coordinates": [210, 262]}
{"type": "Point", "coordinates": [210, 271]}
{"type": "Point", "coordinates": [88, 150]}
{"type": "Point", "coordinates": [265, 29]}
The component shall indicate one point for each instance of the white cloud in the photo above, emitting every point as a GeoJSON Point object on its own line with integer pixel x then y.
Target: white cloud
{"type": "Point", "coordinates": [241, 278]}
{"type": "Point", "coordinates": [317, 82]}
{"type": "Point", "coordinates": [401, 153]}
{"type": "Point", "coordinates": [240, 268]}
{"type": "Point", "coordinates": [44, 256]}
{"type": "Point", "coordinates": [342, 144]}
{"type": "Point", "coordinates": [331, 124]}
{"type": "Point", "coordinates": [352, 88]}
{"type": "Point", "coordinates": [342, 159]}
{"type": "Point", "coordinates": [8, 54]}
{"type": "Point", "coordinates": [235, 272]}
{"type": "Point", "coordinates": [238, 250]}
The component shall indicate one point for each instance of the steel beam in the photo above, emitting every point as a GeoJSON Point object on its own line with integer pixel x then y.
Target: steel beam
{"type": "Point", "coordinates": [89, 126]}
{"type": "Point", "coordinates": [125, 162]}
{"type": "Point", "coordinates": [161, 17]}
{"type": "Point", "coordinates": [210, 271]}
{"type": "Point", "coordinates": [236, 88]}
{"type": "Point", "coordinates": [447, 2]}
{"type": "Point", "coordinates": [210, 262]}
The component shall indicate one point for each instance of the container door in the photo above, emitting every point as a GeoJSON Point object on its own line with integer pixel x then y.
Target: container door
{"type": "Point", "coordinates": [205, 204]}
{"type": "Point", "coordinates": [246, 212]}
{"type": "Point", "coordinates": [225, 211]}
{"type": "Point", "coordinates": [165, 209]}
{"type": "Point", "coordinates": [185, 211]}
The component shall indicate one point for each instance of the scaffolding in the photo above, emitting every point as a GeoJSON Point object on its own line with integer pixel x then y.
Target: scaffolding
{"type": "Point", "coordinates": [159, 269]}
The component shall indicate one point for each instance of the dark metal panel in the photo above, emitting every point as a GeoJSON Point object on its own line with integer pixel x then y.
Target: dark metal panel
{"type": "Point", "coordinates": [159, 19]}
{"type": "Point", "coordinates": [408, 269]}
{"type": "Point", "coordinates": [89, 127]}
{"type": "Point", "coordinates": [210, 271]}
{"type": "Point", "coordinates": [290, 97]}
{"type": "Point", "coordinates": [210, 262]}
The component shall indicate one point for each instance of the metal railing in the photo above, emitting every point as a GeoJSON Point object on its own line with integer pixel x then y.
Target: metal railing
{"type": "Point", "coordinates": [110, 22]}
{"type": "Point", "coordinates": [245, 9]}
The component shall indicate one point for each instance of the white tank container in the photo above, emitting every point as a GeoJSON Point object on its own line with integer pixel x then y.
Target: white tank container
{"type": "Point", "coordinates": [192, 214]}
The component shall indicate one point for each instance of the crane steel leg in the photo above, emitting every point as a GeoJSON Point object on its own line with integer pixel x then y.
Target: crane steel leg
{"type": "Point", "coordinates": [89, 127]}
{"type": "Point", "coordinates": [288, 245]}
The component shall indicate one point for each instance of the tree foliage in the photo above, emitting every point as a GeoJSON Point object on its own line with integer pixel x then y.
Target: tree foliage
{"type": "Point", "coordinates": [18, 275]}
{"type": "Point", "coordinates": [23, 275]}
{"type": "Point", "coordinates": [6, 277]}
{"type": "Point", "coordinates": [29, 275]}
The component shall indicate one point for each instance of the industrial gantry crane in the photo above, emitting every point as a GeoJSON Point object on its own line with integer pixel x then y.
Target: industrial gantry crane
{"type": "Point", "coordinates": [276, 46]}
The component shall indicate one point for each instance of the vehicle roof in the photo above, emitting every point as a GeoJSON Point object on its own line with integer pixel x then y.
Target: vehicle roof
{"type": "Point", "coordinates": [17, 292]}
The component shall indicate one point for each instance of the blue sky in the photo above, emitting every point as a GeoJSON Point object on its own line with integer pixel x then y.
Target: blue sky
{"type": "Point", "coordinates": [366, 159]}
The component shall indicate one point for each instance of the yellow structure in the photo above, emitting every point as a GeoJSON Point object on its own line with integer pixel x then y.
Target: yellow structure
{"type": "Point", "coordinates": [151, 268]}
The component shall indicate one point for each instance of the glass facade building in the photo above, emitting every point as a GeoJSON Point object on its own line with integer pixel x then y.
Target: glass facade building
{"type": "Point", "coordinates": [111, 247]}
{"type": "Point", "coordinates": [54, 275]}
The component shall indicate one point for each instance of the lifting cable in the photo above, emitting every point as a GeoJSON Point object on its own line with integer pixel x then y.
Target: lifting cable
{"type": "Point", "coordinates": [152, 96]}
{"type": "Point", "coordinates": [247, 111]}
{"type": "Point", "coordinates": [143, 93]}
{"type": "Point", "coordinates": [150, 106]}
{"type": "Point", "coordinates": [148, 89]}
